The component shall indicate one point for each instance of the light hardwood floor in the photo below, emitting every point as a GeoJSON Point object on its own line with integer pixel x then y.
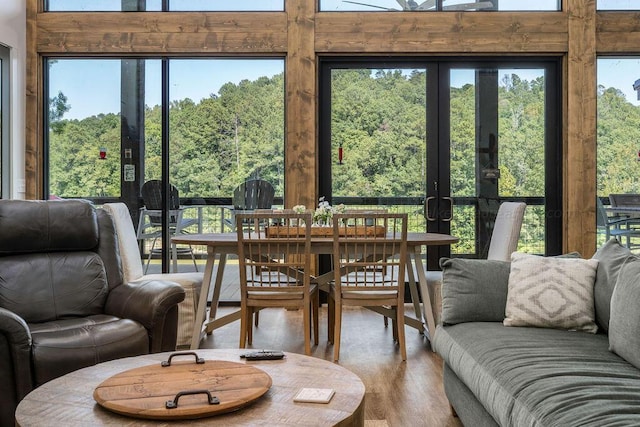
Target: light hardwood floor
{"type": "Point", "coordinates": [402, 393]}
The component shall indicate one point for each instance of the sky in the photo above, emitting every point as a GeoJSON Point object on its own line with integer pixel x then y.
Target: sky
{"type": "Point", "coordinates": [189, 78]}
{"type": "Point", "coordinates": [199, 78]}
{"type": "Point", "coordinates": [620, 73]}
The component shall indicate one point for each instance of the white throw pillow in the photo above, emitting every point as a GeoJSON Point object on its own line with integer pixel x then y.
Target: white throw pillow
{"type": "Point", "coordinates": [551, 292]}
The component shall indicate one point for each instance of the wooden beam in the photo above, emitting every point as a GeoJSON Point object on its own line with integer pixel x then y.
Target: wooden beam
{"type": "Point", "coordinates": [580, 155]}
{"type": "Point", "coordinates": [459, 32]}
{"type": "Point", "coordinates": [618, 32]}
{"type": "Point", "coordinates": [202, 33]}
{"type": "Point", "coordinates": [301, 106]}
{"type": "Point", "coordinates": [33, 155]}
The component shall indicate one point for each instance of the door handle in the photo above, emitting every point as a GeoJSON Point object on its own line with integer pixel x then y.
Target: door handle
{"type": "Point", "coordinates": [450, 200]}
{"type": "Point", "coordinates": [426, 209]}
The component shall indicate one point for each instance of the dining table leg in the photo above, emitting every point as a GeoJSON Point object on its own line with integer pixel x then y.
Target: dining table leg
{"type": "Point", "coordinates": [424, 292]}
{"type": "Point", "coordinates": [217, 286]}
{"type": "Point", "coordinates": [202, 300]}
{"type": "Point", "coordinates": [413, 289]}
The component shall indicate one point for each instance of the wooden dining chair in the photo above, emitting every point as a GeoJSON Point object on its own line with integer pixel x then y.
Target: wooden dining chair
{"type": "Point", "coordinates": [274, 252]}
{"type": "Point", "coordinates": [369, 260]}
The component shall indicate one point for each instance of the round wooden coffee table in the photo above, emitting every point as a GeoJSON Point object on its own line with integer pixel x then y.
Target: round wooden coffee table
{"type": "Point", "coordinates": [68, 400]}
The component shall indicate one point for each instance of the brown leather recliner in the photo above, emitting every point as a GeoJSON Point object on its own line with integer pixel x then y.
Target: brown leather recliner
{"type": "Point", "coordinates": [63, 302]}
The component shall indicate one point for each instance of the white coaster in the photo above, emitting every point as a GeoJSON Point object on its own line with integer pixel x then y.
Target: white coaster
{"type": "Point", "coordinates": [314, 395]}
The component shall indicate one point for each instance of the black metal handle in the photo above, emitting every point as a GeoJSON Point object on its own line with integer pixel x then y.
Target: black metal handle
{"type": "Point", "coordinates": [171, 404]}
{"type": "Point", "coordinates": [166, 363]}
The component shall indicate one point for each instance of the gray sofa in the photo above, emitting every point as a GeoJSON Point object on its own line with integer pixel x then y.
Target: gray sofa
{"type": "Point", "coordinates": [540, 376]}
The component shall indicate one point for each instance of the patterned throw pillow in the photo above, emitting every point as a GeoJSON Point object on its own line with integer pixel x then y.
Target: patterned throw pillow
{"type": "Point", "coordinates": [550, 292]}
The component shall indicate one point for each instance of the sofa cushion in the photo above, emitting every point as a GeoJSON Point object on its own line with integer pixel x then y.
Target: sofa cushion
{"type": "Point", "coordinates": [542, 377]}
{"type": "Point", "coordinates": [49, 286]}
{"type": "Point", "coordinates": [611, 256]}
{"type": "Point", "coordinates": [62, 346]}
{"type": "Point", "coordinates": [474, 290]}
{"type": "Point", "coordinates": [624, 325]}
{"type": "Point", "coordinates": [551, 292]}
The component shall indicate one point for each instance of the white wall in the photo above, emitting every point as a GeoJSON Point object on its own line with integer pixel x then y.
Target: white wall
{"type": "Point", "coordinates": [13, 30]}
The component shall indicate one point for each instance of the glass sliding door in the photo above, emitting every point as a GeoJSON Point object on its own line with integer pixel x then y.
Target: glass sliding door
{"type": "Point", "coordinates": [499, 143]}
{"type": "Point", "coordinates": [446, 142]}
{"type": "Point", "coordinates": [201, 125]}
{"type": "Point", "coordinates": [378, 131]}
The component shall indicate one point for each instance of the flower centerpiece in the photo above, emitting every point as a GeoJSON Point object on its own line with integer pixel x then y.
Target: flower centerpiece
{"type": "Point", "coordinates": [299, 209]}
{"type": "Point", "coordinates": [324, 212]}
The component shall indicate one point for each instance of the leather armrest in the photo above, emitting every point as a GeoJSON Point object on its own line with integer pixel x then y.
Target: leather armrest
{"type": "Point", "coordinates": [149, 302]}
{"type": "Point", "coordinates": [18, 338]}
{"type": "Point", "coordinates": [146, 301]}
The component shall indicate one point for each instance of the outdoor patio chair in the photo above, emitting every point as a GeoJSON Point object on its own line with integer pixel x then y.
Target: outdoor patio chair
{"type": "Point", "coordinates": [248, 197]}
{"type": "Point", "coordinates": [150, 221]}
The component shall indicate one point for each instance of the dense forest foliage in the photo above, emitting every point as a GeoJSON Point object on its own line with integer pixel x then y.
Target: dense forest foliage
{"type": "Point", "coordinates": [618, 143]}
{"type": "Point", "coordinates": [214, 144]}
{"type": "Point", "coordinates": [378, 117]}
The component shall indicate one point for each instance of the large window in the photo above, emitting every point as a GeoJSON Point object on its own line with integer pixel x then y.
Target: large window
{"type": "Point", "coordinates": [157, 5]}
{"type": "Point", "coordinates": [618, 152]}
{"type": "Point", "coordinates": [4, 122]}
{"type": "Point", "coordinates": [618, 5]}
{"type": "Point", "coordinates": [214, 122]}
{"type": "Point", "coordinates": [436, 5]}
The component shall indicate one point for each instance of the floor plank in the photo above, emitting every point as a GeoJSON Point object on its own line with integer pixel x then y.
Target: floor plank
{"type": "Point", "coordinates": [402, 393]}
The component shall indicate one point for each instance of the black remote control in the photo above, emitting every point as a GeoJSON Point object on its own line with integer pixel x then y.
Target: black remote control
{"type": "Point", "coordinates": [263, 355]}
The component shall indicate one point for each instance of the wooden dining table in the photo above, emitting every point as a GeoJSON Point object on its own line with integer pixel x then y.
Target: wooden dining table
{"type": "Point", "coordinates": [220, 245]}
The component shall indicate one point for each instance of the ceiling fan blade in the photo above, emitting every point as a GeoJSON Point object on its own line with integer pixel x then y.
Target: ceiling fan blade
{"type": "Point", "coordinates": [366, 4]}
{"type": "Point", "coordinates": [427, 4]}
{"type": "Point", "coordinates": [403, 4]}
{"type": "Point", "coordinates": [470, 6]}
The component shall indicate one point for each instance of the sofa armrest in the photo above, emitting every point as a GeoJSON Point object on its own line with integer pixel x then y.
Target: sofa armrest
{"type": "Point", "coordinates": [154, 304]}
{"type": "Point", "coordinates": [16, 337]}
{"type": "Point", "coordinates": [474, 290]}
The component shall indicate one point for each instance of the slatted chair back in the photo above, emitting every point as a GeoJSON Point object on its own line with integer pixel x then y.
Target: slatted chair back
{"type": "Point", "coordinates": [369, 260]}
{"type": "Point", "coordinates": [274, 252]}
{"type": "Point", "coordinates": [253, 194]}
{"type": "Point", "coordinates": [151, 193]}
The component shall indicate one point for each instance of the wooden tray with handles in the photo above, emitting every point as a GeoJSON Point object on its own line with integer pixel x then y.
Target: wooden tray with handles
{"type": "Point", "coordinates": [185, 389]}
